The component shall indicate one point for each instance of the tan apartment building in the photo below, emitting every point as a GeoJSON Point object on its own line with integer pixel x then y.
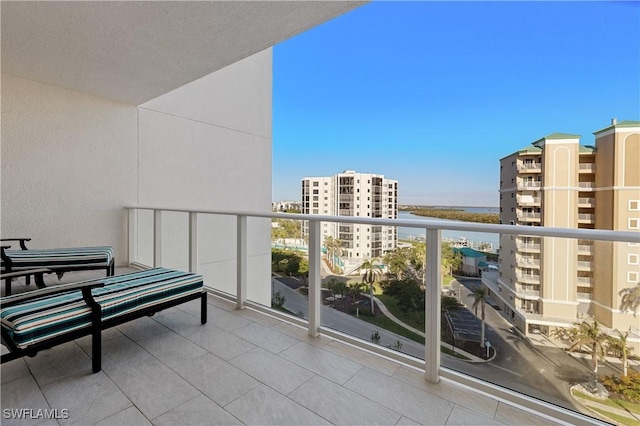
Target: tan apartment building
{"type": "Point", "coordinates": [545, 282]}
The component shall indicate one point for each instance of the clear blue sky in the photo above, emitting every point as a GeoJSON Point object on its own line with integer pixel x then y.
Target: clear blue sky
{"type": "Point", "coordinates": [433, 94]}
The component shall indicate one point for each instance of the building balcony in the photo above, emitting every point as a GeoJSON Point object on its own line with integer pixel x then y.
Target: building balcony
{"type": "Point", "coordinates": [586, 185]}
{"type": "Point", "coordinates": [528, 278]}
{"type": "Point", "coordinates": [527, 293]}
{"type": "Point", "coordinates": [252, 359]}
{"type": "Point", "coordinates": [524, 200]}
{"type": "Point", "coordinates": [586, 218]}
{"type": "Point", "coordinates": [585, 249]}
{"type": "Point", "coordinates": [528, 247]}
{"type": "Point", "coordinates": [584, 296]}
{"type": "Point", "coordinates": [528, 185]}
{"type": "Point", "coordinates": [526, 261]}
{"type": "Point", "coordinates": [528, 217]}
{"type": "Point", "coordinates": [587, 167]}
{"type": "Point", "coordinates": [529, 167]}
{"type": "Point", "coordinates": [584, 281]}
{"type": "Point", "coordinates": [585, 265]}
{"type": "Point", "coordinates": [586, 202]}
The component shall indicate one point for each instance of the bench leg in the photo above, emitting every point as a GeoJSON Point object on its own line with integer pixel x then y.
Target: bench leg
{"type": "Point", "coordinates": [203, 308]}
{"type": "Point", "coordinates": [7, 287]}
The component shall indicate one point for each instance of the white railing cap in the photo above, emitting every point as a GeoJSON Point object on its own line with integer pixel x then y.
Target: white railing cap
{"type": "Point", "coordinates": [541, 231]}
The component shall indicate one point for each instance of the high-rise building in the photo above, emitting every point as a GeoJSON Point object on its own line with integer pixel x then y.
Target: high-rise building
{"type": "Point", "coordinates": [545, 282]}
{"type": "Point", "coordinates": [354, 194]}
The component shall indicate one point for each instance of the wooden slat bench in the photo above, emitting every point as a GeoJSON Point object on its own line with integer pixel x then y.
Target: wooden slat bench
{"type": "Point", "coordinates": [44, 318]}
{"type": "Point", "coordinates": [58, 260]}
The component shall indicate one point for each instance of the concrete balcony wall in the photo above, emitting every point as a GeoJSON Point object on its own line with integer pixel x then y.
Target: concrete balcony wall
{"type": "Point", "coordinates": [69, 165]}
{"type": "Point", "coordinates": [207, 145]}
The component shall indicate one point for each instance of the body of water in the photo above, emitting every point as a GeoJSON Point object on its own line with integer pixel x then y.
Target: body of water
{"type": "Point", "coordinates": [474, 238]}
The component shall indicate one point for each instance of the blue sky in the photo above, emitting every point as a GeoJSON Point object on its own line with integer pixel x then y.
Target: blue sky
{"type": "Point", "coordinates": [433, 94]}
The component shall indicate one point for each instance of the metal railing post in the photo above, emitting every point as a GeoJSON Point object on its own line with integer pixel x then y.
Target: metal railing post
{"type": "Point", "coordinates": [315, 280]}
{"type": "Point", "coordinates": [157, 238]}
{"type": "Point", "coordinates": [132, 235]}
{"type": "Point", "coordinates": [241, 294]}
{"type": "Point", "coordinates": [193, 242]}
{"type": "Point", "coordinates": [432, 307]}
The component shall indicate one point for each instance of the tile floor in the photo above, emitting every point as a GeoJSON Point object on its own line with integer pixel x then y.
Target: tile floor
{"type": "Point", "coordinates": [242, 367]}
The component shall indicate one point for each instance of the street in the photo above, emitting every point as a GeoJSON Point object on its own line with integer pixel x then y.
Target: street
{"type": "Point", "coordinates": [540, 371]}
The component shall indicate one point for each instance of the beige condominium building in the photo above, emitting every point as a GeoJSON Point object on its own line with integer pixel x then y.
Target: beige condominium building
{"type": "Point", "coordinates": [354, 194]}
{"type": "Point", "coordinates": [545, 282]}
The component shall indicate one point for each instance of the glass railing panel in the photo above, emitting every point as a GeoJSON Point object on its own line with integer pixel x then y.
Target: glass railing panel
{"type": "Point", "coordinates": [532, 326]}
{"type": "Point", "coordinates": [144, 237]}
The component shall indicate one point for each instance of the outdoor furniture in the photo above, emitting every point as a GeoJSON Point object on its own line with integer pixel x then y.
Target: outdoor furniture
{"type": "Point", "coordinates": [58, 260]}
{"type": "Point", "coordinates": [44, 318]}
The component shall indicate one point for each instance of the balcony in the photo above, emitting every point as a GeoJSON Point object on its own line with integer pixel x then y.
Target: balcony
{"type": "Point", "coordinates": [528, 185]}
{"type": "Point", "coordinates": [528, 278]}
{"type": "Point", "coordinates": [586, 202]}
{"type": "Point", "coordinates": [586, 218]}
{"type": "Point", "coordinates": [585, 296]}
{"type": "Point", "coordinates": [242, 367]}
{"type": "Point", "coordinates": [587, 167]}
{"type": "Point", "coordinates": [529, 167]}
{"type": "Point", "coordinates": [585, 266]}
{"type": "Point", "coordinates": [250, 356]}
{"type": "Point", "coordinates": [585, 281]}
{"type": "Point", "coordinates": [528, 247]}
{"type": "Point", "coordinates": [586, 185]}
{"type": "Point", "coordinates": [524, 200]}
{"type": "Point", "coordinates": [528, 217]}
{"type": "Point", "coordinates": [527, 293]}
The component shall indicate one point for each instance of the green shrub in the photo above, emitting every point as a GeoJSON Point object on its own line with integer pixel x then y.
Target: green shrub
{"type": "Point", "coordinates": [627, 388]}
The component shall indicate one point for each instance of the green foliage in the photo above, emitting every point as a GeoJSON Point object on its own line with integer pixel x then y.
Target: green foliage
{"type": "Point", "coordinates": [450, 303]}
{"type": "Point", "coordinates": [375, 336]}
{"type": "Point", "coordinates": [458, 215]}
{"type": "Point", "coordinates": [278, 300]}
{"type": "Point", "coordinates": [630, 299]}
{"type": "Point", "coordinates": [627, 387]}
{"type": "Point", "coordinates": [289, 262]}
{"type": "Point", "coordinates": [286, 228]}
{"type": "Point", "coordinates": [589, 334]}
{"type": "Point", "coordinates": [408, 294]}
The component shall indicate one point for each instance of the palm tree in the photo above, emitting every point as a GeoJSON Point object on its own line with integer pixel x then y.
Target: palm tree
{"type": "Point", "coordinates": [480, 295]}
{"type": "Point", "coordinates": [372, 272]}
{"type": "Point", "coordinates": [619, 345]}
{"type": "Point", "coordinates": [589, 334]}
{"type": "Point", "coordinates": [630, 299]}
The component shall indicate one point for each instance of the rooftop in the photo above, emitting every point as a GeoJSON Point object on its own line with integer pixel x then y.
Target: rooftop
{"type": "Point", "coordinates": [242, 367]}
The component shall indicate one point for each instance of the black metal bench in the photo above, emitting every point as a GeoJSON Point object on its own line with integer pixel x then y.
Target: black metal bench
{"type": "Point", "coordinates": [44, 318]}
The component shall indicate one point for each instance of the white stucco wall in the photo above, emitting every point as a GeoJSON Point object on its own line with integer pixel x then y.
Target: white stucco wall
{"type": "Point", "coordinates": [69, 165]}
{"type": "Point", "coordinates": [207, 145]}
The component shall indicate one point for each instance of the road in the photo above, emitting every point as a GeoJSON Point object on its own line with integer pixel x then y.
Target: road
{"type": "Point", "coordinates": [543, 372]}
{"type": "Point", "coordinates": [540, 371]}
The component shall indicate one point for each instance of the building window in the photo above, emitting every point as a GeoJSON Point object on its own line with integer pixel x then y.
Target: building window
{"type": "Point", "coordinates": [632, 259]}
{"type": "Point", "coordinates": [634, 205]}
{"type": "Point", "coordinates": [315, 211]}
{"type": "Point", "coordinates": [632, 277]}
{"type": "Point", "coordinates": [634, 223]}
{"type": "Point", "coordinates": [315, 191]}
{"type": "Point", "coordinates": [316, 183]}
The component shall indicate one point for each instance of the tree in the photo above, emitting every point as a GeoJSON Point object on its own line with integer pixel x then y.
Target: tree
{"type": "Point", "coordinates": [588, 334]}
{"type": "Point", "coordinates": [480, 295]}
{"type": "Point", "coordinates": [630, 299]}
{"type": "Point", "coordinates": [372, 272]}
{"type": "Point", "coordinates": [355, 289]}
{"type": "Point", "coordinates": [334, 247]}
{"type": "Point", "coordinates": [619, 346]}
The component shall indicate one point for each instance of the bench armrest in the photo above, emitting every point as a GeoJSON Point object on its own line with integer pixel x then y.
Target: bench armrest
{"type": "Point", "coordinates": [21, 240]}
{"type": "Point", "coordinates": [85, 286]}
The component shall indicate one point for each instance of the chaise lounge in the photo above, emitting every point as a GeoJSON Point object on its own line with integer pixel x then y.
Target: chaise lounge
{"type": "Point", "coordinates": [44, 318]}
{"type": "Point", "coordinates": [58, 260]}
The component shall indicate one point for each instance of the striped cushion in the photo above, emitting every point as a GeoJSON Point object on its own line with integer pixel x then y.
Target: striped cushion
{"type": "Point", "coordinates": [39, 319]}
{"type": "Point", "coordinates": [60, 257]}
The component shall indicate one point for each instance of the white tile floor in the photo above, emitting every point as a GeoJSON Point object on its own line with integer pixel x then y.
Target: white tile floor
{"type": "Point", "coordinates": [242, 367]}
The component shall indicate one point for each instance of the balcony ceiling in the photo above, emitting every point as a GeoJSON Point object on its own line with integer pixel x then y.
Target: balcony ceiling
{"type": "Point", "coordinates": [135, 51]}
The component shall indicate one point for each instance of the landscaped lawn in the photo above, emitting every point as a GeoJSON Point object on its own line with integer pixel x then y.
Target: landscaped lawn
{"type": "Point", "coordinates": [385, 323]}
{"type": "Point", "coordinates": [409, 319]}
{"type": "Point", "coordinates": [611, 402]}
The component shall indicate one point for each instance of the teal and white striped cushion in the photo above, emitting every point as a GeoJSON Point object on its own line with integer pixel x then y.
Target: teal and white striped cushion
{"type": "Point", "coordinates": [60, 257]}
{"type": "Point", "coordinates": [43, 318]}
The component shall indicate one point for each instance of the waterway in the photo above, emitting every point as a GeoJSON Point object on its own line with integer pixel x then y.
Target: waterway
{"type": "Point", "coordinates": [474, 238]}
